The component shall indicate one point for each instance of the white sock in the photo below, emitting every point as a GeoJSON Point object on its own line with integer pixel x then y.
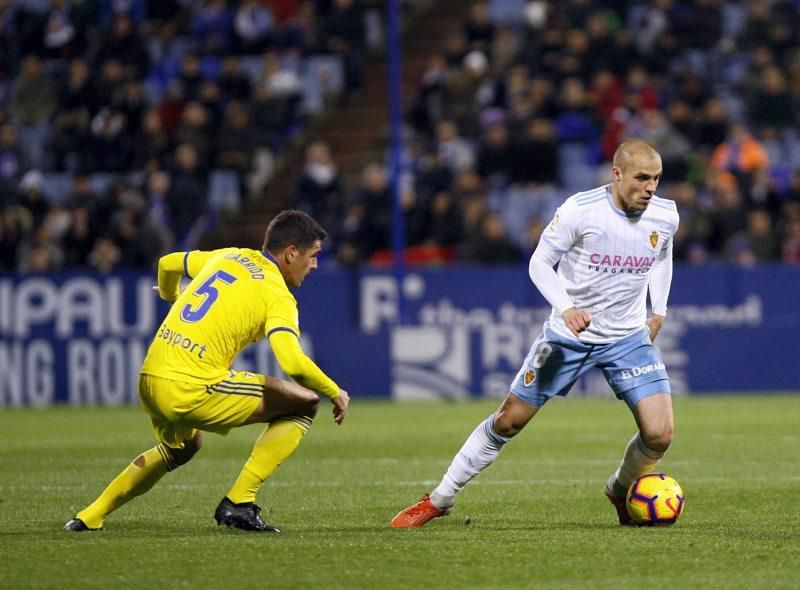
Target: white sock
{"type": "Point", "coordinates": [637, 460]}
{"type": "Point", "coordinates": [478, 452]}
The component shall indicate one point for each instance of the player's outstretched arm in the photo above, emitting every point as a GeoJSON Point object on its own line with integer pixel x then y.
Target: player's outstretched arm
{"type": "Point", "coordinates": [304, 371]}
{"type": "Point", "coordinates": [170, 271]}
{"type": "Point", "coordinates": [340, 405]}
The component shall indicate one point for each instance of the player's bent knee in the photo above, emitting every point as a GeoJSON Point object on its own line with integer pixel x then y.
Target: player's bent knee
{"type": "Point", "coordinates": [660, 439]}
{"type": "Point", "coordinates": [506, 426]}
{"type": "Point", "coordinates": [183, 456]}
{"type": "Point", "coordinates": [312, 407]}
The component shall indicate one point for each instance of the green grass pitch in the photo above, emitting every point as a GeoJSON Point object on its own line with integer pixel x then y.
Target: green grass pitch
{"type": "Point", "coordinates": [536, 519]}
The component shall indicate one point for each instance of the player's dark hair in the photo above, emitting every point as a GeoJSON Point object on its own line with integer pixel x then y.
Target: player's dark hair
{"type": "Point", "coordinates": [292, 228]}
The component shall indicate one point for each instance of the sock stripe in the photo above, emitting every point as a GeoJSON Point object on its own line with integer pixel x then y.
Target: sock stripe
{"type": "Point", "coordinates": [304, 422]}
{"type": "Point", "coordinates": [166, 457]}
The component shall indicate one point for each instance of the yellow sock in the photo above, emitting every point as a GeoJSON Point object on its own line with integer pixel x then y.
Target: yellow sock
{"type": "Point", "coordinates": [278, 441]}
{"type": "Point", "coordinates": [136, 479]}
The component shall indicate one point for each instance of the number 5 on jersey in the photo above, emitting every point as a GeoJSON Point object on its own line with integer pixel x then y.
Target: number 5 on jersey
{"type": "Point", "coordinates": [209, 292]}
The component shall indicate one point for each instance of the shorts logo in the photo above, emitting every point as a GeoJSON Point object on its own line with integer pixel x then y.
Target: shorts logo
{"type": "Point", "coordinates": [638, 371]}
{"type": "Point", "coordinates": [529, 377]}
{"type": "Point", "coordinates": [653, 238]}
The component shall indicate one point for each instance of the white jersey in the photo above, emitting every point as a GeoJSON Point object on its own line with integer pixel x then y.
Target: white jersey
{"type": "Point", "coordinates": [606, 258]}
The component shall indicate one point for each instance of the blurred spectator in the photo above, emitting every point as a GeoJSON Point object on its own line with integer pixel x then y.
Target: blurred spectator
{"type": "Point", "coordinates": [122, 43]}
{"type": "Point", "coordinates": [12, 231]}
{"type": "Point", "coordinates": [152, 142]}
{"type": "Point", "coordinates": [62, 35]}
{"type": "Point", "coordinates": [374, 197]}
{"type": "Point", "coordinates": [729, 211]}
{"type": "Point", "coordinates": [456, 153]}
{"type": "Point", "coordinates": [31, 103]}
{"type": "Point", "coordinates": [653, 126]}
{"type": "Point", "coordinates": [111, 147]}
{"type": "Point", "coordinates": [191, 76]}
{"type": "Point", "coordinates": [534, 158]}
{"type": "Point", "coordinates": [742, 155]}
{"type": "Point", "coordinates": [234, 84]}
{"type": "Point", "coordinates": [84, 197]}
{"type": "Point", "coordinates": [494, 161]}
{"type": "Point", "coordinates": [318, 190]}
{"type": "Point", "coordinates": [188, 194]}
{"type": "Point", "coordinates": [69, 137]}
{"type": "Point", "coordinates": [790, 245]}
{"type": "Point", "coordinates": [170, 109]}
{"type": "Point", "coordinates": [31, 199]}
{"type": "Point", "coordinates": [157, 195]}
{"type": "Point", "coordinates": [490, 244]}
{"type": "Point", "coordinates": [236, 140]}
{"type": "Point", "coordinates": [134, 233]}
{"type": "Point", "coordinates": [39, 252]}
{"type": "Point", "coordinates": [772, 105]}
{"type": "Point", "coordinates": [445, 224]}
{"type": "Point", "coordinates": [79, 238]}
{"type": "Point", "coordinates": [761, 235]}
{"type": "Point", "coordinates": [12, 162]}
{"type": "Point", "coordinates": [479, 30]}
{"type": "Point", "coordinates": [212, 27]}
{"type": "Point", "coordinates": [342, 32]}
{"type": "Point", "coordinates": [196, 129]}
{"type": "Point", "coordinates": [254, 26]}
{"type": "Point", "coordinates": [105, 255]}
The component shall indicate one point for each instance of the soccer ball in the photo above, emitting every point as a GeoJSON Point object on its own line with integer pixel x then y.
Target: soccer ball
{"type": "Point", "coordinates": [655, 499]}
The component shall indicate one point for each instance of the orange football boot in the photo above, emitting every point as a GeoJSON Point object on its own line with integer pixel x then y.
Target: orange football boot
{"type": "Point", "coordinates": [417, 514]}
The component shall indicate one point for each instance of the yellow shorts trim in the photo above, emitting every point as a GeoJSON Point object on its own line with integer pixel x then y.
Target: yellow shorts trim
{"type": "Point", "coordinates": [178, 409]}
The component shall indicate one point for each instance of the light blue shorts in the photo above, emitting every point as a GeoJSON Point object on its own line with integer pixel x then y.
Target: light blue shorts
{"type": "Point", "coordinates": [632, 366]}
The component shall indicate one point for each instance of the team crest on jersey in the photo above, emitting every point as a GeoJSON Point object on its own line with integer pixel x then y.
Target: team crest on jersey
{"type": "Point", "coordinates": [653, 238]}
{"type": "Point", "coordinates": [529, 377]}
{"type": "Point", "coordinates": [554, 224]}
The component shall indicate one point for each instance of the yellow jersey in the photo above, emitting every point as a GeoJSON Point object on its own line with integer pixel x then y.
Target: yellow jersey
{"type": "Point", "coordinates": [236, 297]}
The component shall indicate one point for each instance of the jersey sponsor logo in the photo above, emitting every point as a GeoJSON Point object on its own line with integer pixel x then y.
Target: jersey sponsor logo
{"type": "Point", "coordinates": [653, 238]}
{"type": "Point", "coordinates": [617, 264]}
{"type": "Point", "coordinates": [617, 260]}
{"type": "Point", "coordinates": [174, 338]}
{"type": "Point", "coordinates": [638, 371]}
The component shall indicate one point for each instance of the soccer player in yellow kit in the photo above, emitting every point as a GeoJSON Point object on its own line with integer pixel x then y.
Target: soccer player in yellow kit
{"type": "Point", "coordinates": [186, 384]}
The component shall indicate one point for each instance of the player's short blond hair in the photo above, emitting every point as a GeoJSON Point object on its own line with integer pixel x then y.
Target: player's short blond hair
{"type": "Point", "coordinates": [626, 151]}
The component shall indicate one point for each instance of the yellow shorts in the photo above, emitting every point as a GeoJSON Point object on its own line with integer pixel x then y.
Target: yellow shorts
{"type": "Point", "coordinates": [178, 409]}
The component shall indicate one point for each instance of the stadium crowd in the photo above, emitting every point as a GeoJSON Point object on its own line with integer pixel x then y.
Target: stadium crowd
{"type": "Point", "coordinates": [527, 100]}
{"type": "Point", "coordinates": [124, 124]}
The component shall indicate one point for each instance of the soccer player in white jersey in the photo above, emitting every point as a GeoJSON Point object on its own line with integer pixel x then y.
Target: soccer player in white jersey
{"type": "Point", "coordinates": [611, 244]}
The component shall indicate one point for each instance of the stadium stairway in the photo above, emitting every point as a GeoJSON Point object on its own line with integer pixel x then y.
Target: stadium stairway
{"type": "Point", "coordinates": [357, 128]}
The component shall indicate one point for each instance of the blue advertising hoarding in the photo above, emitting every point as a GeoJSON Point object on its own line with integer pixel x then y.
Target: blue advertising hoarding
{"type": "Point", "coordinates": [451, 333]}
